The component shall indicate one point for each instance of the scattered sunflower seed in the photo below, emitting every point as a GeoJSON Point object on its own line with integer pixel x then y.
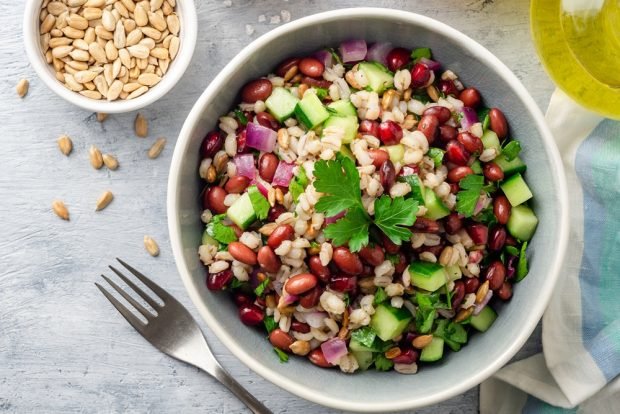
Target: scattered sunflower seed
{"type": "Point", "coordinates": [110, 161]}
{"type": "Point", "coordinates": [96, 159]}
{"type": "Point", "coordinates": [101, 116]}
{"type": "Point", "coordinates": [141, 126]}
{"type": "Point", "coordinates": [151, 246]}
{"type": "Point", "coordinates": [60, 209]}
{"type": "Point", "coordinates": [65, 144]}
{"type": "Point", "coordinates": [22, 87]}
{"type": "Point", "coordinates": [157, 148]}
{"type": "Point", "coordinates": [103, 201]}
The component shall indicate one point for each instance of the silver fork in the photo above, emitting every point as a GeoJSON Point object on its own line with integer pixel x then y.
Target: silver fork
{"type": "Point", "coordinates": [174, 332]}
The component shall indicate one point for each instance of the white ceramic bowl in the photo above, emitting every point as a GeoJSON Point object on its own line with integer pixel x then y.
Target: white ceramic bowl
{"type": "Point", "coordinates": [187, 15]}
{"type": "Point", "coordinates": [476, 66]}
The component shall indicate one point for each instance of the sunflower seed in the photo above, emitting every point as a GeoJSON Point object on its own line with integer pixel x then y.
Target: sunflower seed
{"type": "Point", "coordinates": [103, 201]}
{"type": "Point", "coordinates": [140, 16]}
{"type": "Point", "coordinates": [60, 209]}
{"type": "Point", "coordinates": [65, 144]}
{"type": "Point", "coordinates": [101, 116]}
{"type": "Point", "coordinates": [110, 162]}
{"type": "Point", "coordinates": [96, 159]}
{"type": "Point", "coordinates": [151, 246]}
{"type": "Point", "coordinates": [141, 126]}
{"type": "Point", "coordinates": [22, 87]}
{"type": "Point", "coordinates": [157, 148]}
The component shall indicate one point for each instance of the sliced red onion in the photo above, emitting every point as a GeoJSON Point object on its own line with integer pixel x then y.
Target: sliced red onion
{"type": "Point", "coordinates": [484, 302]}
{"type": "Point", "coordinates": [283, 174]}
{"type": "Point", "coordinates": [286, 299]}
{"type": "Point", "coordinates": [379, 51]}
{"type": "Point", "coordinates": [325, 57]}
{"type": "Point", "coordinates": [446, 313]}
{"type": "Point", "coordinates": [245, 165]}
{"type": "Point", "coordinates": [353, 50]}
{"type": "Point", "coordinates": [260, 184]}
{"type": "Point", "coordinates": [334, 349]}
{"type": "Point", "coordinates": [469, 117]}
{"type": "Point", "coordinates": [479, 205]}
{"type": "Point", "coordinates": [333, 219]}
{"type": "Point", "coordinates": [315, 319]}
{"type": "Point", "coordinates": [260, 137]}
{"type": "Point", "coordinates": [431, 64]}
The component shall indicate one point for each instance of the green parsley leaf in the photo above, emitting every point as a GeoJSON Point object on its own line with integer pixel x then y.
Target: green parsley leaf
{"type": "Point", "coordinates": [220, 232]}
{"type": "Point", "coordinates": [421, 52]}
{"type": "Point", "coordinates": [392, 215]}
{"type": "Point", "coordinates": [380, 296]}
{"type": "Point", "coordinates": [321, 92]}
{"type": "Point", "coordinates": [424, 98]}
{"type": "Point", "coordinates": [259, 203]}
{"type": "Point", "coordinates": [449, 294]}
{"type": "Point", "coordinates": [340, 182]}
{"type": "Point", "coordinates": [243, 120]}
{"type": "Point", "coordinates": [281, 354]}
{"type": "Point", "coordinates": [352, 228]}
{"type": "Point", "coordinates": [467, 198]}
{"type": "Point", "coordinates": [451, 331]}
{"type": "Point", "coordinates": [365, 336]}
{"type": "Point", "coordinates": [486, 216]}
{"type": "Point", "coordinates": [346, 299]}
{"type": "Point", "coordinates": [270, 323]}
{"type": "Point", "coordinates": [511, 150]}
{"type": "Point", "coordinates": [393, 258]}
{"type": "Point", "coordinates": [511, 250]}
{"type": "Point", "coordinates": [382, 363]}
{"type": "Point", "coordinates": [522, 269]}
{"type": "Point", "coordinates": [236, 283]}
{"type": "Point", "coordinates": [436, 155]}
{"type": "Point", "coordinates": [483, 114]}
{"type": "Point", "coordinates": [298, 184]}
{"type": "Point", "coordinates": [260, 289]}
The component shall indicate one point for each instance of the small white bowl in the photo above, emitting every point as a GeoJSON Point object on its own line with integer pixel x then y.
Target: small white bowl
{"type": "Point", "coordinates": [189, 26]}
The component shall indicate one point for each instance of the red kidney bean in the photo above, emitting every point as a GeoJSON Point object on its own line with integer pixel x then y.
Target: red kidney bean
{"type": "Point", "coordinates": [373, 255]}
{"type": "Point", "coordinates": [470, 97]}
{"type": "Point", "coordinates": [256, 90]}
{"type": "Point", "coordinates": [346, 261]}
{"type": "Point", "coordinates": [267, 120]}
{"type": "Point", "coordinates": [281, 233]}
{"type": "Point", "coordinates": [286, 65]}
{"type": "Point", "coordinates": [501, 209]}
{"type": "Point", "coordinates": [211, 144]}
{"type": "Point", "coordinates": [495, 274]}
{"type": "Point", "coordinates": [267, 166]}
{"type": "Point", "coordinates": [378, 156]}
{"type": "Point", "coordinates": [390, 132]}
{"type": "Point", "coordinates": [407, 356]}
{"type": "Point", "coordinates": [268, 260]}
{"type": "Point", "coordinates": [470, 142]}
{"type": "Point", "coordinates": [456, 153]}
{"type": "Point", "coordinates": [472, 284]}
{"type": "Point", "coordinates": [497, 238]}
{"type": "Point", "coordinates": [300, 327]}
{"type": "Point", "coordinates": [275, 212]}
{"type": "Point", "coordinates": [317, 83]}
{"type": "Point", "coordinates": [454, 188]}
{"type": "Point", "coordinates": [401, 265]}
{"type": "Point", "coordinates": [453, 223]}
{"type": "Point", "coordinates": [317, 269]}
{"type": "Point", "coordinates": [317, 358]}
{"type": "Point", "coordinates": [237, 184]}
{"type": "Point", "coordinates": [458, 294]}
{"type": "Point", "coordinates": [442, 113]}
{"type": "Point", "coordinates": [311, 299]}
{"type": "Point", "coordinates": [397, 58]}
{"type": "Point", "coordinates": [214, 197]}
{"type": "Point", "coordinates": [312, 67]}
{"type": "Point", "coordinates": [281, 340]}
{"type": "Point", "coordinates": [242, 298]}
{"type": "Point", "coordinates": [420, 75]}
{"type": "Point", "coordinates": [493, 172]}
{"type": "Point", "coordinates": [448, 87]}
{"type": "Point", "coordinates": [498, 123]}
{"type": "Point", "coordinates": [447, 133]}
{"type": "Point", "coordinates": [429, 126]}
{"type": "Point", "coordinates": [343, 283]}
{"type": "Point", "coordinates": [505, 291]}
{"type": "Point", "coordinates": [456, 174]}
{"type": "Point", "coordinates": [387, 174]}
{"type": "Point", "coordinates": [219, 281]}
{"type": "Point", "coordinates": [478, 232]}
{"type": "Point", "coordinates": [425, 225]}
{"type": "Point", "coordinates": [368, 127]}
{"type": "Point", "coordinates": [251, 314]}
{"type": "Point", "coordinates": [242, 253]}
{"type": "Point", "coordinates": [389, 246]}
{"type": "Point", "coordinates": [301, 283]}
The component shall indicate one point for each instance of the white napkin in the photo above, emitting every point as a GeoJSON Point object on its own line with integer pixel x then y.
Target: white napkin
{"type": "Point", "coordinates": [579, 368]}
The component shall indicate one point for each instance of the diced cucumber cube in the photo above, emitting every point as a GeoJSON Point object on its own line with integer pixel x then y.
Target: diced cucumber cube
{"type": "Point", "coordinates": [311, 111]}
{"type": "Point", "coordinates": [395, 152]}
{"type": "Point", "coordinates": [516, 165]}
{"type": "Point", "coordinates": [428, 276]}
{"type": "Point", "coordinates": [484, 319]}
{"type": "Point", "coordinates": [491, 140]}
{"type": "Point", "coordinates": [435, 208]}
{"type": "Point", "coordinates": [433, 351]}
{"type": "Point", "coordinates": [364, 359]}
{"type": "Point", "coordinates": [522, 222]}
{"type": "Point", "coordinates": [347, 123]}
{"type": "Point", "coordinates": [241, 212]}
{"type": "Point", "coordinates": [379, 77]}
{"type": "Point", "coordinates": [342, 107]}
{"type": "Point", "coordinates": [516, 190]}
{"type": "Point", "coordinates": [281, 104]}
{"type": "Point", "coordinates": [389, 322]}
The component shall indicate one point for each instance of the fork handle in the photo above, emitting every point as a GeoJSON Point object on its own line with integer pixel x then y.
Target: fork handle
{"type": "Point", "coordinates": [248, 399]}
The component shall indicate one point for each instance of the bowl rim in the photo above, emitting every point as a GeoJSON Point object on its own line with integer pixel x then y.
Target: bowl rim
{"type": "Point", "coordinates": [479, 51]}
{"type": "Point", "coordinates": [189, 28]}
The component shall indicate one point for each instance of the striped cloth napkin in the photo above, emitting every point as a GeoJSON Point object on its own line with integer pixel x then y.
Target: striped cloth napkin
{"type": "Point", "coordinates": [579, 369]}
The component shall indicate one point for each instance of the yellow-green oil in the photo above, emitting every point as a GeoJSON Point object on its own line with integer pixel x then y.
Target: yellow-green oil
{"type": "Point", "coordinates": [581, 51]}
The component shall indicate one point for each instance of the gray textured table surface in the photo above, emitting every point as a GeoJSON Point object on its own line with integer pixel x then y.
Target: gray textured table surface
{"type": "Point", "coordinates": [62, 347]}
